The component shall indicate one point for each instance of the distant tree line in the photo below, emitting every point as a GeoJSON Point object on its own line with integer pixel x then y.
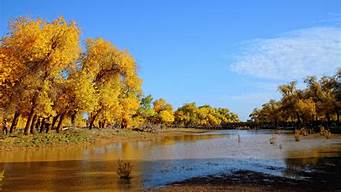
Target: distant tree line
{"type": "Point", "coordinates": [319, 104]}
{"type": "Point", "coordinates": [188, 115]}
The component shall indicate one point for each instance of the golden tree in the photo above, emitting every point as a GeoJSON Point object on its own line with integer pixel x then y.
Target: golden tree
{"type": "Point", "coordinates": [41, 51]}
{"type": "Point", "coordinates": [164, 112]}
{"type": "Point", "coordinates": [113, 73]}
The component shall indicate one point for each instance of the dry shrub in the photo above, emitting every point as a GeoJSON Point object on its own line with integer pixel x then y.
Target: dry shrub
{"type": "Point", "coordinates": [322, 131]}
{"type": "Point", "coordinates": [325, 132]}
{"type": "Point", "coordinates": [272, 140]}
{"type": "Point", "coordinates": [124, 169]}
{"type": "Point", "coordinates": [328, 134]}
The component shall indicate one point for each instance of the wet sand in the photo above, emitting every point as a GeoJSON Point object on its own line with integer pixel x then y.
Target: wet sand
{"type": "Point", "coordinates": [253, 182]}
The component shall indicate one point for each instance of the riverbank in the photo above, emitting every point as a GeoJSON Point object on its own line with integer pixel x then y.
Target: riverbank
{"type": "Point", "coordinates": [84, 136]}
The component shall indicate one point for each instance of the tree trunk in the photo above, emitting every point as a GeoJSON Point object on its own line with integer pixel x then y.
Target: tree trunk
{"type": "Point", "coordinates": [92, 120]}
{"type": "Point", "coordinates": [60, 122]}
{"type": "Point", "coordinates": [47, 125]}
{"type": "Point", "coordinates": [29, 119]}
{"type": "Point", "coordinates": [328, 120]}
{"type": "Point", "coordinates": [298, 120]}
{"type": "Point", "coordinates": [337, 116]}
{"type": "Point", "coordinates": [91, 123]}
{"type": "Point", "coordinates": [14, 122]}
{"type": "Point", "coordinates": [38, 124]}
{"type": "Point", "coordinates": [54, 120]}
{"type": "Point", "coordinates": [33, 124]}
{"type": "Point", "coordinates": [73, 119]}
{"type": "Point", "coordinates": [124, 124]}
{"type": "Point", "coordinates": [101, 124]}
{"type": "Point", "coordinates": [42, 125]}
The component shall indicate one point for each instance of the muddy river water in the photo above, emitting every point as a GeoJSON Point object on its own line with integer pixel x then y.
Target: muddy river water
{"type": "Point", "coordinates": [161, 161]}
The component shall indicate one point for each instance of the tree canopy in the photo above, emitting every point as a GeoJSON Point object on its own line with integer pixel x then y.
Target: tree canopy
{"type": "Point", "coordinates": [319, 101]}
{"type": "Point", "coordinates": [46, 79]}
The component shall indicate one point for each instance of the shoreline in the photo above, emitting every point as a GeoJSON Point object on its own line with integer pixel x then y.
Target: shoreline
{"type": "Point", "coordinates": [250, 181]}
{"type": "Point", "coordinates": [84, 136]}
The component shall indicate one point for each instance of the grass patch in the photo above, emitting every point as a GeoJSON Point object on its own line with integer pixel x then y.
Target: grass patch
{"type": "Point", "coordinates": [45, 139]}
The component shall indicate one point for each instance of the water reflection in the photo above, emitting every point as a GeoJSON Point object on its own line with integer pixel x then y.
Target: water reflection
{"type": "Point", "coordinates": [165, 160]}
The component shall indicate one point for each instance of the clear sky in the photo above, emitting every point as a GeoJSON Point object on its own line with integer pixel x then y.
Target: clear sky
{"type": "Point", "coordinates": [224, 53]}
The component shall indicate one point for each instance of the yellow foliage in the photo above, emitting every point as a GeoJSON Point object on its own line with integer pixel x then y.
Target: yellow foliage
{"type": "Point", "coordinates": [167, 116]}
{"type": "Point", "coordinates": [114, 75]}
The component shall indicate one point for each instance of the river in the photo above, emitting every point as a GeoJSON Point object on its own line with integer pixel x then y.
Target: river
{"type": "Point", "coordinates": [161, 161]}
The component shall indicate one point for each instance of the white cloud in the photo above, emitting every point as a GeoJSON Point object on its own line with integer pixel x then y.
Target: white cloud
{"type": "Point", "coordinates": [293, 55]}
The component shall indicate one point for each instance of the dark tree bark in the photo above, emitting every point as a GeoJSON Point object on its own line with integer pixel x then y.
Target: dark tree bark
{"type": "Point", "coordinates": [14, 122]}
{"type": "Point", "coordinates": [124, 124]}
{"type": "Point", "coordinates": [60, 122]}
{"type": "Point", "coordinates": [54, 120]}
{"type": "Point", "coordinates": [328, 120]}
{"type": "Point", "coordinates": [42, 125]}
{"type": "Point", "coordinates": [47, 125]}
{"type": "Point", "coordinates": [73, 119]}
{"type": "Point", "coordinates": [103, 124]}
{"type": "Point", "coordinates": [33, 124]}
{"type": "Point", "coordinates": [38, 124]}
{"type": "Point", "coordinates": [29, 119]}
{"type": "Point", "coordinates": [92, 120]}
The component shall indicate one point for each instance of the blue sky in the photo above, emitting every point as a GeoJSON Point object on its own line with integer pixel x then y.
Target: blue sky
{"type": "Point", "coordinates": [224, 53]}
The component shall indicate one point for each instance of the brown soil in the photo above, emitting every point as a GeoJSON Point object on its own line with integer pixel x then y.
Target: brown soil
{"type": "Point", "coordinates": [248, 181]}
